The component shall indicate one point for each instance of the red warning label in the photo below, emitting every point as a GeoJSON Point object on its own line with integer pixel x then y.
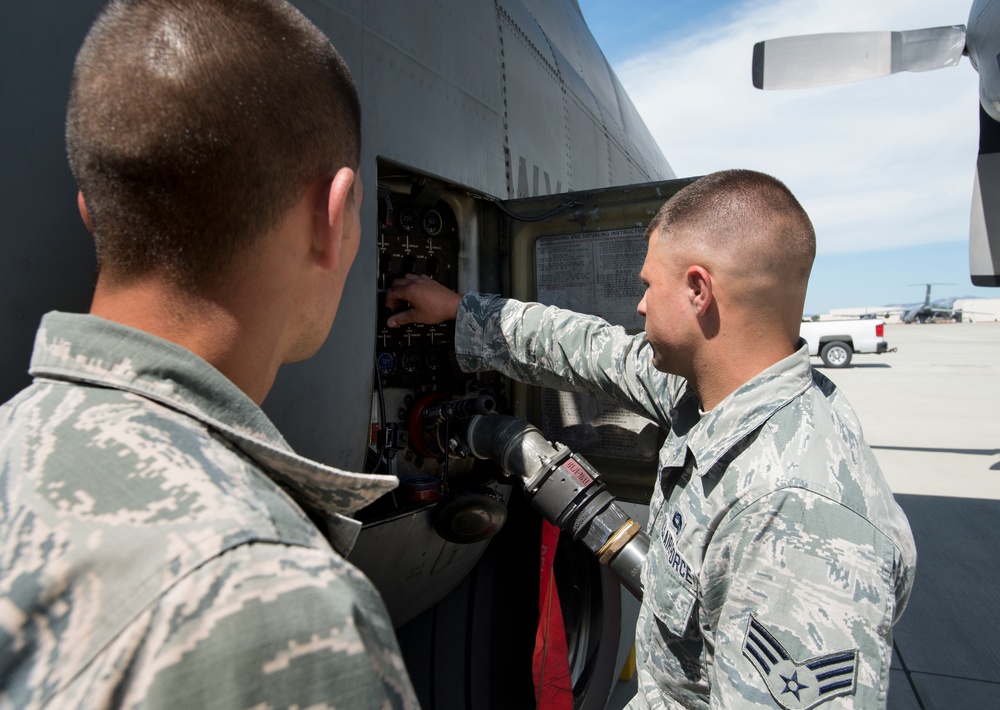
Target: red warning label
{"type": "Point", "coordinates": [578, 472]}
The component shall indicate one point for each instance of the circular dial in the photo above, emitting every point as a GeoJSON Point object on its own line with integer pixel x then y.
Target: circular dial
{"type": "Point", "coordinates": [434, 359]}
{"type": "Point", "coordinates": [386, 362]}
{"type": "Point", "coordinates": [410, 360]}
{"type": "Point", "coordinates": [408, 219]}
{"type": "Point", "coordinates": [432, 222]}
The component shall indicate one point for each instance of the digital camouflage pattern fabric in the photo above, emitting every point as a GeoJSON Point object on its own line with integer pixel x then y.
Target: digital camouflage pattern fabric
{"type": "Point", "coordinates": [778, 560]}
{"type": "Point", "coordinates": [151, 554]}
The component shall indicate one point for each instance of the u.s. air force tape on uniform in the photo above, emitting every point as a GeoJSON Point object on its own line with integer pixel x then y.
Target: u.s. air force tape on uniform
{"type": "Point", "coordinates": [798, 685]}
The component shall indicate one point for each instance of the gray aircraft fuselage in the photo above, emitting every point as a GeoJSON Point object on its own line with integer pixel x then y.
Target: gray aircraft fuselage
{"type": "Point", "coordinates": [497, 99]}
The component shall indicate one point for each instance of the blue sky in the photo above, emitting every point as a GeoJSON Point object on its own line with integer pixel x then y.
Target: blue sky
{"type": "Point", "coordinates": [884, 167]}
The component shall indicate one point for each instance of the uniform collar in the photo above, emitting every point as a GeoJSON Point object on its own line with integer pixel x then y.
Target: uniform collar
{"type": "Point", "coordinates": [746, 409]}
{"type": "Point", "coordinates": [89, 349]}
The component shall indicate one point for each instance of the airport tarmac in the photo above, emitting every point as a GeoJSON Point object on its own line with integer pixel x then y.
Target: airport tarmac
{"type": "Point", "coordinates": [931, 413]}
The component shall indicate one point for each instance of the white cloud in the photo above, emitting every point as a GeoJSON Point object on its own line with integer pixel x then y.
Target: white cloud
{"type": "Point", "coordinates": [877, 164]}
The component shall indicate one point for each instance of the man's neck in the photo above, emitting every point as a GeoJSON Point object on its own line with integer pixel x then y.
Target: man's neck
{"type": "Point", "coordinates": [727, 366]}
{"type": "Point", "coordinates": [210, 328]}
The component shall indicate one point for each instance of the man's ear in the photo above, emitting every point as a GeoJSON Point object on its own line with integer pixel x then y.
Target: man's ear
{"type": "Point", "coordinates": [330, 218]}
{"type": "Point", "coordinates": [81, 205]}
{"type": "Point", "coordinates": [699, 284]}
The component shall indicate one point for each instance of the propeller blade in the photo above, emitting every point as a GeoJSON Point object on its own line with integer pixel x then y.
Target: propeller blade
{"type": "Point", "coordinates": [984, 225]}
{"type": "Point", "coordinates": [820, 60]}
{"type": "Point", "coordinates": [982, 44]}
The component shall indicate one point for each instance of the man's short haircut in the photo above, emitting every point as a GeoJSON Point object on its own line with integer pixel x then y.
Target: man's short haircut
{"type": "Point", "coordinates": [194, 125]}
{"type": "Point", "coordinates": [750, 215]}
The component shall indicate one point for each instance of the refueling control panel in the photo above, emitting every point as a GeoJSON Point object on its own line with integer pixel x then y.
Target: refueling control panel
{"type": "Point", "coordinates": [420, 395]}
{"type": "Point", "coordinates": [418, 234]}
{"type": "Point", "coordinates": [581, 251]}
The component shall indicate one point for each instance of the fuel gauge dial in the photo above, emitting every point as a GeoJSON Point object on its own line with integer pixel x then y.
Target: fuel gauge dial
{"type": "Point", "coordinates": [432, 223]}
{"type": "Point", "coordinates": [408, 219]}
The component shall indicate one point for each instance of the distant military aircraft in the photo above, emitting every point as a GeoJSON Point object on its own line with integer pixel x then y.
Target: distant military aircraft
{"type": "Point", "coordinates": [476, 115]}
{"type": "Point", "coordinates": [823, 59]}
{"type": "Point", "coordinates": [927, 312]}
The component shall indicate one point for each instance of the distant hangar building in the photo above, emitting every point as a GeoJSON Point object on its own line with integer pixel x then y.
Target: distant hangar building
{"type": "Point", "coordinates": [979, 310]}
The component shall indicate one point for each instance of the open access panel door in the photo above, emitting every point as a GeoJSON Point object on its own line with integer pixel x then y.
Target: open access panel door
{"type": "Point", "coordinates": [584, 251]}
{"type": "Point", "coordinates": [472, 645]}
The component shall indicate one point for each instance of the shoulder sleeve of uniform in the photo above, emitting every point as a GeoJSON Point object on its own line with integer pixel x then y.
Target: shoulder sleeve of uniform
{"type": "Point", "coordinates": [801, 591]}
{"type": "Point", "coordinates": [265, 625]}
{"type": "Point", "coordinates": [553, 347]}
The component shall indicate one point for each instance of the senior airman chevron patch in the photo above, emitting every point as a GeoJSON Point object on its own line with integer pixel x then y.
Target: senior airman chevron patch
{"type": "Point", "coordinates": [798, 685]}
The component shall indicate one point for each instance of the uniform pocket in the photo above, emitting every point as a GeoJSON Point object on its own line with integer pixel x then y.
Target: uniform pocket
{"type": "Point", "coordinates": [671, 602]}
{"type": "Point", "coordinates": [673, 649]}
{"type": "Point", "coordinates": [675, 645]}
{"type": "Point", "coordinates": [670, 583]}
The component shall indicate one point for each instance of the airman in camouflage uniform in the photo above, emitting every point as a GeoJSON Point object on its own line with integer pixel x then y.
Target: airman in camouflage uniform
{"type": "Point", "coordinates": [150, 555]}
{"type": "Point", "coordinates": [161, 546]}
{"type": "Point", "coordinates": [778, 559]}
{"type": "Point", "coordinates": [770, 513]}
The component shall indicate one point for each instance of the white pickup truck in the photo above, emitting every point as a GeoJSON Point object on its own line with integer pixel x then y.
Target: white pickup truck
{"type": "Point", "coordinates": [836, 341]}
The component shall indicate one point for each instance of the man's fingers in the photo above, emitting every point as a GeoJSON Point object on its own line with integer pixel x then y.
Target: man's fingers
{"type": "Point", "coordinates": [420, 299]}
{"type": "Point", "coordinates": [398, 319]}
{"type": "Point", "coordinates": [393, 299]}
{"type": "Point", "coordinates": [397, 294]}
{"type": "Point", "coordinates": [408, 279]}
{"type": "Point", "coordinates": [404, 317]}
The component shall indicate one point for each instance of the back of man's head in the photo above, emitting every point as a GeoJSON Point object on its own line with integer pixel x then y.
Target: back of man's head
{"type": "Point", "coordinates": [194, 126]}
{"type": "Point", "coordinates": [747, 224]}
{"type": "Point", "coordinates": [752, 233]}
{"type": "Point", "coordinates": [733, 250]}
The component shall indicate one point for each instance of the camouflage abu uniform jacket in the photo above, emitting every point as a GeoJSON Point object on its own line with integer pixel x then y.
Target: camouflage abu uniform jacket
{"type": "Point", "coordinates": [149, 556]}
{"type": "Point", "coordinates": [778, 560]}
